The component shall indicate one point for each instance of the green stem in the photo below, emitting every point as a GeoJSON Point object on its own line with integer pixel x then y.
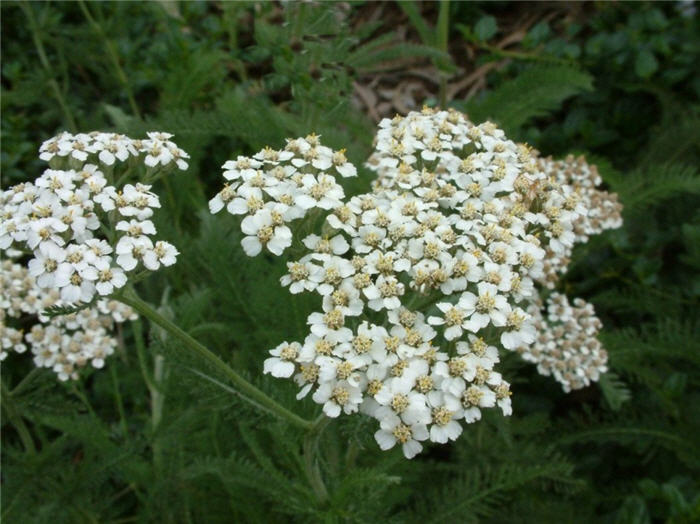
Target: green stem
{"type": "Point", "coordinates": [157, 402]}
{"type": "Point", "coordinates": [311, 466]}
{"type": "Point", "coordinates": [130, 298]}
{"type": "Point", "coordinates": [118, 401]}
{"type": "Point", "coordinates": [45, 63]}
{"type": "Point", "coordinates": [16, 420]}
{"type": "Point", "coordinates": [114, 57]}
{"type": "Point", "coordinates": [141, 353]}
{"type": "Point", "coordinates": [26, 380]}
{"type": "Point", "coordinates": [351, 454]}
{"type": "Point", "coordinates": [158, 396]}
{"type": "Point", "coordinates": [76, 389]}
{"type": "Point", "coordinates": [442, 33]}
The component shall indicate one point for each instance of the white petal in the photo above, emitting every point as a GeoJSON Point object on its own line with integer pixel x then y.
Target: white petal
{"type": "Point", "coordinates": [411, 449]}
{"type": "Point", "coordinates": [251, 246]}
{"type": "Point", "coordinates": [385, 439]}
{"type": "Point", "coordinates": [331, 409]}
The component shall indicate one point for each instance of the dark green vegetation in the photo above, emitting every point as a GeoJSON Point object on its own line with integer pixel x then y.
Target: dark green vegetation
{"type": "Point", "coordinates": [150, 440]}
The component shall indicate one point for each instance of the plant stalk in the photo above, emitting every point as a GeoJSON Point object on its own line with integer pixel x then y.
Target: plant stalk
{"type": "Point", "coordinates": [130, 298]}
{"type": "Point", "coordinates": [441, 37]}
{"type": "Point", "coordinates": [311, 467]}
{"type": "Point", "coordinates": [16, 420]}
{"type": "Point", "coordinates": [45, 63]}
{"type": "Point", "coordinates": [114, 57]}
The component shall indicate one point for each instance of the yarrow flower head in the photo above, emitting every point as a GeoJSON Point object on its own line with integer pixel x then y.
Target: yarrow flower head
{"type": "Point", "coordinates": [422, 279]}
{"type": "Point", "coordinates": [86, 224]}
{"type": "Point", "coordinates": [83, 233]}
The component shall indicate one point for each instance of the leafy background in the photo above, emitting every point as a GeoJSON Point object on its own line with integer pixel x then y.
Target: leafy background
{"type": "Point", "coordinates": [159, 437]}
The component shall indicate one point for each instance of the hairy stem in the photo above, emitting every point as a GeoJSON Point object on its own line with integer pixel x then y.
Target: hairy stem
{"type": "Point", "coordinates": [130, 298]}
{"type": "Point", "coordinates": [118, 401]}
{"type": "Point", "coordinates": [26, 381]}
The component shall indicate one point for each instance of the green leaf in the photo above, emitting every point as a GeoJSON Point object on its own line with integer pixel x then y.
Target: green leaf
{"type": "Point", "coordinates": [652, 184]}
{"type": "Point", "coordinates": [485, 28]}
{"type": "Point", "coordinates": [412, 10]}
{"type": "Point", "coordinates": [646, 64]}
{"type": "Point", "coordinates": [534, 93]}
{"type": "Point", "coordinates": [69, 309]}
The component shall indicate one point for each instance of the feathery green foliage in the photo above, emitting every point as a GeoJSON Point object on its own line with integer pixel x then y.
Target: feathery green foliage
{"type": "Point", "coordinates": [161, 436]}
{"type": "Point", "coordinates": [536, 92]}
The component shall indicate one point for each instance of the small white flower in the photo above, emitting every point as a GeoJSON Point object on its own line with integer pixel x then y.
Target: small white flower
{"type": "Point", "coordinates": [132, 250]}
{"type": "Point", "coordinates": [45, 263]}
{"type": "Point", "coordinates": [338, 396]}
{"type": "Point", "coordinates": [76, 285]}
{"type": "Point", "coordinates": [265, 228]}
{"type": "Point", "coordinates": [281, 364]}
{"type": "Point", "coordinates": [336, 245]}
{"type": "Point", "coordinates": [490, 307]}
{"type": "Point", "coordinates": [136, 228]}
{"type": "Point", "coordinates": [108, 277]}
{"type": "Point", "coordinates": [303, 276]}
{"type": "Point", "coordinates": [162, 253]}
{"type": "Point", "coordinates": [393, 430]}
{"type": "Point", "coordinates": [446, 409]}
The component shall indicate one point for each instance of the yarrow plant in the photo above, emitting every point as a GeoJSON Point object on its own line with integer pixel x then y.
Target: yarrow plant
{"type": "Point", "coordinates": [450, 258]}
{"type": "Point", "coordinates": [422, 280]}
{"type": "Point", "coordinates": [84, 226]}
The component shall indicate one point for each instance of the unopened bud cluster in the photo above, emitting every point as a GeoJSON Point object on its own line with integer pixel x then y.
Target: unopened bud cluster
{"type": "Point", "coordinates": [567, 345]}
{"type": "Point", "coordinates": [598, 209]}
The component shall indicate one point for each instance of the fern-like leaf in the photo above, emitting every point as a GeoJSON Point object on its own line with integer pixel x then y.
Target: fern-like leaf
{"type": "Point", "coordinates": [534, 93]}
{"type": "Point", "coordinates": [653, 184]}
{"type": "Point", "coordinates": [58, 311]}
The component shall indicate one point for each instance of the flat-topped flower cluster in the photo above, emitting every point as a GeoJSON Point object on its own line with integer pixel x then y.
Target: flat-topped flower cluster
{"type": "Point", "coordinates": [84, 230]}
{"type": "Point", "coordinates": [422, 278]}
{"type": "Point", "coordinates": [84, 225]}
{"type": "Point", "coordinates": [450, 257]}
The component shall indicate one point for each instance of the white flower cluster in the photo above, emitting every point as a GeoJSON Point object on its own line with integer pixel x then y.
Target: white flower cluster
{"type": "Point", "coordinates": [63, 343]}
{"type": "Point", "coordinates": [422, 278]}
{"type": "Point", "coordinates": [274, 188]}
{"type": "Point", "coordinates": [83, 231]}
{"type": "Point", "coordinates": [600, 210]}
{"type": "Point", "coordinates": [567, 346]}
{"type": "Point", "coordinates": [442, 230]}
